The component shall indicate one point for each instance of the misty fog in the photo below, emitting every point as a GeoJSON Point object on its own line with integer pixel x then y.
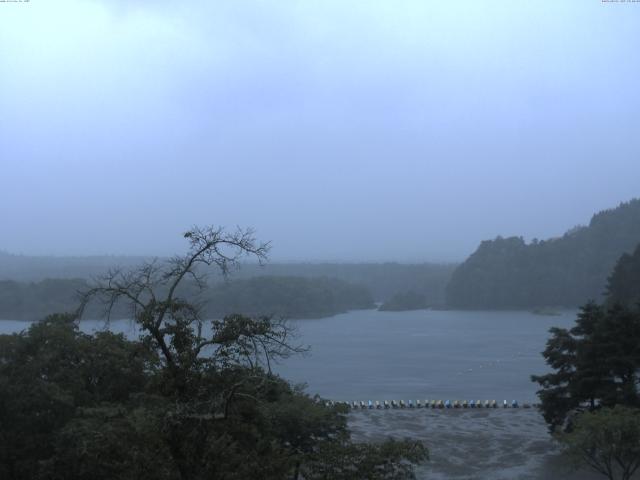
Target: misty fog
{"type": "Point", "coordinates": [340, 131]}
{"type": "Point", "coordinates": [319, 239]}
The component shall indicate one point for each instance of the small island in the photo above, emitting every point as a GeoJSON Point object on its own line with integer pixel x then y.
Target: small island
{"type": "Point", "coordinates": [547, 312]}
{"type": "Point", "coordinates": [403, 301]}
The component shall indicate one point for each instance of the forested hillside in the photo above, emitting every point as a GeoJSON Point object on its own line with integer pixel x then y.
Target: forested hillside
{"type": "Point", "coordinates": [624, 283]}
{"type": "Point", "coordinates": [565, 271]}
{"type": "Point", "coordinates": [292, 297]}
{"type": "Point", "coordinates": [36, 300]}
{"type": "Point", "coordinates": [382, 279]}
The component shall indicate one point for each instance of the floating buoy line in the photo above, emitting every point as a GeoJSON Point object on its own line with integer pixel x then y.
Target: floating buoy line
{"type": "Point", "coordinates": [433, 404]}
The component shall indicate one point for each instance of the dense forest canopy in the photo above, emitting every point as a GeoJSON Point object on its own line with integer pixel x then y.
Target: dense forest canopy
{"type": "Point", "coordinates": [36, 300]}
{"type": "Point", "coordinates": [291, 297]}
{"type": "Point", "coordinates": [565, 271]}
{"type": "Point", "coordinates": [33, 287]}
{"type": "Point", "coordinates": [624, 283]}
{"type": "Point", "coordinates": [382, 279]}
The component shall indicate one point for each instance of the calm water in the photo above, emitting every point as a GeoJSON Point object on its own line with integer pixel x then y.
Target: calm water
{"type": "Point", "coordinates": [424, 354]}
{"type": "Point", "coordinates": [368, 354]}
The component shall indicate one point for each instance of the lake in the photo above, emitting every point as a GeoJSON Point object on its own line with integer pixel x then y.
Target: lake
{"type": "Point", "coordinates": [367, 354]}
{"type": "Point", "coordinates": [375, 355]}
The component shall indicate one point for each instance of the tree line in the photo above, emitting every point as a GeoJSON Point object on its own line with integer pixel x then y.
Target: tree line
{"type": "Point", "coordinates": [382, 280]}
{"type": "Point", "coordinates": [190, 399]}
{"type": "Point", "coordinates": [291, 297]}
{"type": "Point", "coordinates": [566, 271]}
{"type": "Point", "coordinates": [590, 399]}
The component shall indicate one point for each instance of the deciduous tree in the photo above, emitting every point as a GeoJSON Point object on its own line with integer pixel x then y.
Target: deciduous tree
{"type": "Point", "coordinates": [607, 440]}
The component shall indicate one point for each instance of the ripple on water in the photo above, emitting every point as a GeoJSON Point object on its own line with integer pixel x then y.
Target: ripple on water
{"type": "Point", "coordinates": [472, 444]}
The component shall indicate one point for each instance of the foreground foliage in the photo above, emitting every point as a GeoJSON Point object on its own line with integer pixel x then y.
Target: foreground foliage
{"type": "Point", "coordinates": [191, 399]}
{"type": "Point", "coordinates": [607, 440]}
{"type": "Point", "coordinates": [595, 363]}
{"type": "Point", "coordinates": [593, 391]}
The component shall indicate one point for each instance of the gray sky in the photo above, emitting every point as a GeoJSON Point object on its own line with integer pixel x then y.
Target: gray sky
{"type": "Point", "coordinates": [340, 130]}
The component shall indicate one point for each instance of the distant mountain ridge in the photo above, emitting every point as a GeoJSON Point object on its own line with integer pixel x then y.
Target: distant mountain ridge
{"type": "Point", "coordinates": [565, 271]}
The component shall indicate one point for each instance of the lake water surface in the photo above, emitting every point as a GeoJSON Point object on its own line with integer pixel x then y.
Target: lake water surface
{"type": "Point", "coordinates": [367, 354]}
{"type": "Point", "coordinates": [423, 354]}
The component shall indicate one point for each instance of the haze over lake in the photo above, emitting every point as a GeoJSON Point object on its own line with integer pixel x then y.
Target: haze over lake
{"type": "Point", "coordinates": [425, 201]}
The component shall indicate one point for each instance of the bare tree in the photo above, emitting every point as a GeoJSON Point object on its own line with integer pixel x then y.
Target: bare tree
{"type": "Point", "coordinates": [174, 326]}
{"type": "Point", "coordinates": [607, 441]}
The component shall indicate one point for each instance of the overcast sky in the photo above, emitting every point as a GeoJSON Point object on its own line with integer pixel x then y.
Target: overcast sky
{"type": "Point", "coordinates": [339, 130]}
